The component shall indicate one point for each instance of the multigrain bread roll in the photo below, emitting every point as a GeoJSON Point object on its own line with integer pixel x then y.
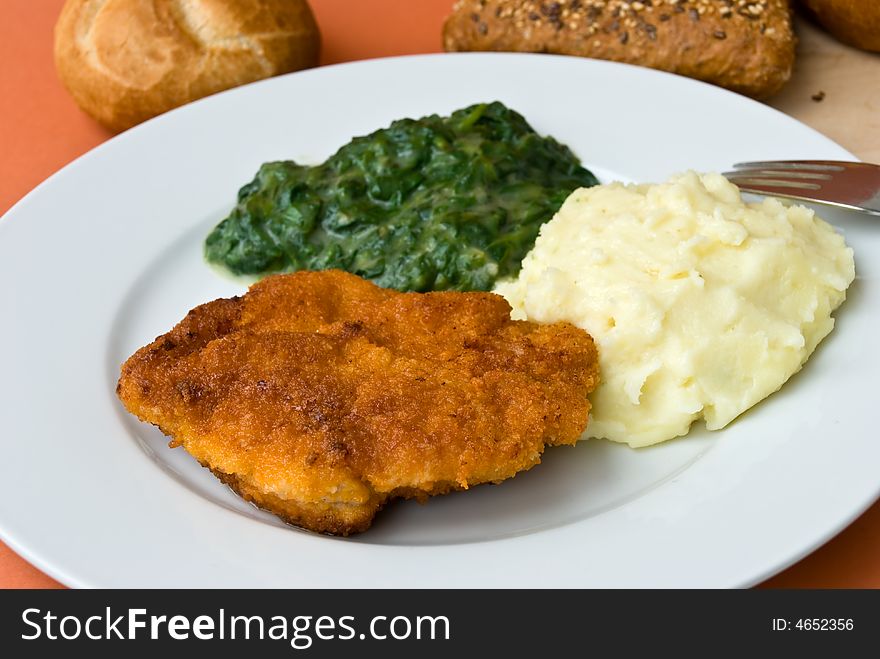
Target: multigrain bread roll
{"type": "Point", "coordinates": [125, 61]}
{"type": "Point", "coordinates": [856, 22]}
{"type": "Point", "coordinates": [745, 45]}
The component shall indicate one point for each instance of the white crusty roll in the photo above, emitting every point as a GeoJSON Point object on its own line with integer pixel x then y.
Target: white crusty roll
{"type": "Point", "coordinates": [125, 61]}
{"type": "Point", "coordinates": [856, 22]}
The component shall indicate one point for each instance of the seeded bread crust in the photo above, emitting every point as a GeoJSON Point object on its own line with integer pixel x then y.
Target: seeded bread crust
{"type": "Point", "coordinates": [747, 46]}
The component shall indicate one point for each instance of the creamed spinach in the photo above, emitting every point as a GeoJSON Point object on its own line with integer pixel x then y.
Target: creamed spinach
{"type": "Point", "coordinates": [438, 203]}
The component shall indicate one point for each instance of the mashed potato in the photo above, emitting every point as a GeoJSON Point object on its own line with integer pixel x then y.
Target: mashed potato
{"type": "Point", "coordinates": [701, 304]}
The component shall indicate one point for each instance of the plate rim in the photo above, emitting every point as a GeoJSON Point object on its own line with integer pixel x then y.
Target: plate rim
{"type": "Point", "coordinates": [33, 555]}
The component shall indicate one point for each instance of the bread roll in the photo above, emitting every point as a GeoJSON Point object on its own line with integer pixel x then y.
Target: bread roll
{"type": "Point", "coordinates": [856, 22]}
{"type": "Point", "coordinates": [745, 45]}
{"type": "Point", "coordinates": [125, 61]}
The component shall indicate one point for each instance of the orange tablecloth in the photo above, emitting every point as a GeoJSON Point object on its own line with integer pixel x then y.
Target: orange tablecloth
{"type": "Point", "coordinates": [41, 130]}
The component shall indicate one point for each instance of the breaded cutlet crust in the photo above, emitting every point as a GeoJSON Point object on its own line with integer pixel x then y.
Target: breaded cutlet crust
{"type": "Point", "coordinates": [320, 397]}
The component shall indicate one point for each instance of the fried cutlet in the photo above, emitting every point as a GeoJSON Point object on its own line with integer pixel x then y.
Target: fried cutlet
{"type": "Point", "coordinates": [319, 396]}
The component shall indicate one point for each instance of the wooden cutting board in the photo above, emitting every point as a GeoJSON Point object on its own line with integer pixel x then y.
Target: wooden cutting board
{"type": "Point", "coordinates": [846, 80]}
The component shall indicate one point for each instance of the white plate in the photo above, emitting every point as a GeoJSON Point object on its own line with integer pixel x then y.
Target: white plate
{"type": "Point", "coordinates": [106, 255]}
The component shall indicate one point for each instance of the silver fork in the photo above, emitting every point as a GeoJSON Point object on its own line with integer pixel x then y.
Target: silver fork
{"type": "Point", "coordinates": [854, 185]}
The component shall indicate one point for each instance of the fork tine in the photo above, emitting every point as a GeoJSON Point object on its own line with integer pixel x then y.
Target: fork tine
{"type": "Point", "coordinates": [748, 179]}
{"type": "Point", "coordinates": [814, 165]}
{"type": "Point", "coordinates": [800, 195]}
{"type": "Point", "coordinates": [853, 185]}
{"type": "Point", "coordinates": [783, 173]}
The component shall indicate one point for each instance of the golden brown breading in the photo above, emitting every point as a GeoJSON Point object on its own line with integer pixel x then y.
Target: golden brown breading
{"type": "Point", "coordinates": [320, 396]}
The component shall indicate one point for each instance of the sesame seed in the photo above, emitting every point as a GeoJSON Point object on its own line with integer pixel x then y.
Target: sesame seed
{"type": "Point", "coordinates": [598, 17]}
